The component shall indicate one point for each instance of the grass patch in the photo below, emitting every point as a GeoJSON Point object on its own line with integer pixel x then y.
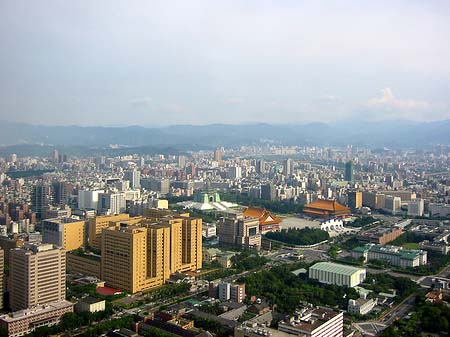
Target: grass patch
{"type": "Point", "coordinates": [411, 245]}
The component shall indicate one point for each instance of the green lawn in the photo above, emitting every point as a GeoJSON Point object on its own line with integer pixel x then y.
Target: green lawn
{"type": "Point", "coordinates": [410, 245]}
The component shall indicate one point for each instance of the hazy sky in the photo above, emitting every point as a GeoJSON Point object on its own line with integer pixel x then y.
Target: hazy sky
{"type": "Point", "coordinates": [171, 62]}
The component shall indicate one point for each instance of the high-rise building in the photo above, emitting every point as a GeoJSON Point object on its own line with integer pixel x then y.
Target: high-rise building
{"type": "Point", "coordinates": [157, 185]}
{"type": "Point", "coordinates": [134, 176]}
{"type": "Point", "coordinates": [2, 270]}
{"type": "Point", "coordinates": [111, 203]}
{"type": "Point", "coordinates": [236, 229]}
{"type": "Point", "coordinates": [392, 204]}
{"type": "Point", "coordinates": [60, 192]}
{"type": "Point", "coordinates": [268, 192]}
{"type": "Point", "coordinates": [218, 155]}
{"type": "Point", "coordinates": [261, 166]}
{"type": "Point", "coordinates": [41, 196]}
{"type": "Point", "coordinates": [68, 233]}
{"type": "Point", "coordinates": [37, 275]}
{"type": "Point", "coordinates": [288, 168]}
{"type": "Point", "coordinates": [55, 155]}
{"type": "Point", "coordinates": [144, 255]}
{"type": "Point", "coordinates": [349, 171]}
{"type": "Point", "coordinates": [416, 207]}
{"type": "Point", "coordinates": [355, 200]}
{"type": "Point", "coordinates": [98, 223]}
{"type": "Point", "coordinates": [181, 162]}
{"type": "Point", "coordinates": [88, 199]}
{"type": "Point", "coordinates": [235, 172]}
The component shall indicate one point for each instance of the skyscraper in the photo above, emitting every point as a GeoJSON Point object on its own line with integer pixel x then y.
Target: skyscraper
{"type": "Point", "coordinates": [355, 199]}
{"type": "Point", "coordinates": [268, 192]}
{"type": "Point", "coordinates": [64, 232]}
{"type": "Point", "coordinates": [41, 196]}
{"type": "Point", "coordinates": [288, 168]}
{"type": "Point", "coordinates": [37, 275]}
{"type": "Point", "coordinates": [218, 155]}
{"type": "Point", "coordinates": [134, 176]}
{"type": "Point", "coordinates": [349, 171]}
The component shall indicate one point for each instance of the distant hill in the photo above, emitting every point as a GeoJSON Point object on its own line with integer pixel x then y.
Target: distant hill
{"type": "Point", "coordinates": [391, 134]}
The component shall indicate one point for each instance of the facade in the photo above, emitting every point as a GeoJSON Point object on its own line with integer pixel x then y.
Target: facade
{"type": "Point", "coordinates": [20, 323]}
{"type": "Point", "coordinates": [338, 274]}
{"type": "Point", "coordinates": [144, 255]}
{"type": "Point", "coordinates": [416, 207]}
{"type": "Point", "coordinates": [349, 171]}
{"type": "Point", "coordinates": [392, 204]}
{"type": "Point", "coordinates": [111, 203]}
{"type": "Point", "coordinates": [88, 199]}
{"type": "Point", "coordinates": [68, 233]}
{"type": "Point", "coordinates": [288, 167]}
{"type": "Point", "coordinates": [325, 209]}
{"type": "Point", "coordinates": [209, 230]}
{"type": "Point", "coordinates": [37, 275]}
{"type": "Point", "coordinates": [380, 235]}
{"type": "Point", "coordinates": [373, 200]}
{"type": "Point", "coordinates": [442, 210]}
{"type": "Point", "coordinates": [315, 322]}
{"type": "Point", "coordinates": [268, 192]}
{"type": "Point", "coordinates": [237, 293]}
{"type": "Point", "coordinates": [355, 199]}
{"type": "Point", "coordinates": [361, 306]}
{"type": "Point", "coordinates": [98, 223]}
{"type": "Point", "coordinates": [396, 256]}
{"type": "Point", "coordinates": [41, 196]}
{"type": "Point", "coordinates": [224, 291]}
{"type": "Point", "coordinates": [89, 265]}
{"type": "Point", "coordinates": [236, 229]}
{"type": "Point", "coordinates": [90, 304]}
{"type": "Point", "coordinates": [134, 177]}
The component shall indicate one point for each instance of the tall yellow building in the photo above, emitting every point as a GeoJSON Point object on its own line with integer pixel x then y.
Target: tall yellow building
{"type": "Point", "coordinates": [141, 256]}
{"type": "Point", "coordinates": [64, 232]}
{"type": "Point", "coordinates": [98, 223]}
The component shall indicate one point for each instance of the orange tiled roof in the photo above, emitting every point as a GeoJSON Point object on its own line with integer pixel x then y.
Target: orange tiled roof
{"type": "Point", "coordinates": [264, 216]}
{"type": "Point", "coordinates": [323, 207]}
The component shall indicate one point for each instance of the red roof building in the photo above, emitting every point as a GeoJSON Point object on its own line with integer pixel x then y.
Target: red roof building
{"type": "Point", "coordinates": [267, 221]}
{"type": "Point", "coordinates": [326, 208]}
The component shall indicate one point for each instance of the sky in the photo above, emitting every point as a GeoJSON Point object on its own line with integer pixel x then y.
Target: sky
{"type": "Point", "coordinates": [155, 63]}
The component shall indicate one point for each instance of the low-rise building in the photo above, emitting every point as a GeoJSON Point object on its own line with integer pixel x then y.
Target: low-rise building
{"type": "Point", "coordinates": [22, 322]}
{"type": "Point", "coordinates": [314, 322]}
{"type": "Point", "coordinates": [380, 235]}
{"type": "Point", "coordinates": [361, 306]}
{"type": "Point", "coordinates": [338, 274]}
{"type": "Point", "coordinates": [396, 256]}
{"type": "Point", "coordinates": [90, 304]}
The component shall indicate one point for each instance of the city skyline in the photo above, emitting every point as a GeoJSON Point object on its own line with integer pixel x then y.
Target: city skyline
{"type": "Point", "coordinates": [159, 63]}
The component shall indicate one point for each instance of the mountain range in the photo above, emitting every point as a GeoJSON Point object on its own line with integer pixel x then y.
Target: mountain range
{"type": "Point", "coordinates": [390, 134]}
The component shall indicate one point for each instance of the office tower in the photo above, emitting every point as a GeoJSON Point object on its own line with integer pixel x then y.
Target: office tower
{"type": "Point", "coordinates": [64, 232]}
{"type": "Point", "coordinates": [235, 229]}
{"type": "Point", "coordinates": [2, 269]}
{"type": "Point", "coordinates": [416, 207]}
{"type": "Point", "coordinates": [349, 171]}
{"type": "Point", "coordinates": [268, 192]}
{"type": "Point", "coordinates": [37, 275]}
{"type": "Point", "coordinates": [134, 176]}
{"type": "Point", "coordinates": [141, 256]}
{"type": "Point", "coordinates": [355, 200]}
{"type": "Point", "coordinates": [111, 203]}
{"type": "Point", "coordinates": [88, 199]}
{"type": "Point", "coordinates": [41, 196]}
{"type": "Point", "coordinates": [98, 223]}
{"type": "Point", "coordinates": [218, 155]}
{"type": "Point", "coordinates": [60, 192]}
{"type": "Point", "coordinates": [235, 172]}
{"type": "Point", "coordinates": [288, 168]}
{"type": "Point", "coordinates": [55, 155]}
{"type": "Point", "coordinates": [261, 166]}
{"type": "Point", "coordinates": [181, 162]}
{"type": "Point", "coordinates": [392, 204]}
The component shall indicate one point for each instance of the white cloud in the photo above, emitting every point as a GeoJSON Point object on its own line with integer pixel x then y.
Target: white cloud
{"type": "Point", "coordinates": [141, 102]}
{"type": "Point", "coordinates": [388, 100]}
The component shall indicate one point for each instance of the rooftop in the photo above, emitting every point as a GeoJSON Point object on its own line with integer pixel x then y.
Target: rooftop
{"type": "Point", "coordinates": [336, 268]}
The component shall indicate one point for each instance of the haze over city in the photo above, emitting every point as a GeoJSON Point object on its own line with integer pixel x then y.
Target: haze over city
{"type": "Point", "coordinates": [155, 63]}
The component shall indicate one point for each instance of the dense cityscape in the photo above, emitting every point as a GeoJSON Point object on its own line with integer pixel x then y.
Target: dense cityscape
{"type": "Point", "coordinates": [232, 168]}
{"type": "Point", "coordinates": [243, 241]}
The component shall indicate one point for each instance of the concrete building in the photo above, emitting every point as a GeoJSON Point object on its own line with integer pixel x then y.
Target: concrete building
{"type": "Point", "coordinates": [349, 171]}
{"type": "Point", "coordinates": [90, 304]}
{"type": "Point", "coordinates": [236, 229]}
{"type": "Point", "coordinates": [338, 274]}
{"type": "Point", "coordinates": [98, 223]}
{"type": "Point", "coordinates": [111, 203]}
{"type": "Point", "coordinates": [134, 177]}
{"type": "Point", "coordinates": [416, 207]}
{"type": "Point", "coordinates": [2, 278]}
{"type": "Point", "coordinates": [68, 233]}
{"type": "Point", "coordinates": [22, 322]}
{"type": "Point", "coordinates": [237, 293]}
{"type": "Point", "coordinates": [89, 265]}
{"type": "Point", "coordinates": [224, 291]}
{"type": "Point", "coordinates": [288, 167]}
{"type": "Point", "coordinates": [144, 255]}
{"type": "Point", "coordinates": [392, 204]}
{"type": "Point", "coordinates": [380, 235]}
{"type": "Point", "coordinates": [88, 199]}
{"type": "Point", "coordinates": [361, 306]}
{"type": "Point", "coordinates": [37, 275]}
{"type": "Point", "coordinates": [440, 210]}
{"type": "Point", "coordinates": [396, 256]}
{"type": "Point", "coordinates": [354, 200]}
{"type": "Point", "coordinates": [314, 322]}
{"type": "Point", "coordinates": [235, 172]}
{"type": "Point", "coordinates": [373, 200]}
{"type": "Point", "coordinates": [157, 185]}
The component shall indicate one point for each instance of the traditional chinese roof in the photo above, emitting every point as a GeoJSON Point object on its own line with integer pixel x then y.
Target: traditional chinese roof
{"type": "Point", "coordinates": [264, 216]}
{"type": "Point", "coordinates": [326, 207]}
